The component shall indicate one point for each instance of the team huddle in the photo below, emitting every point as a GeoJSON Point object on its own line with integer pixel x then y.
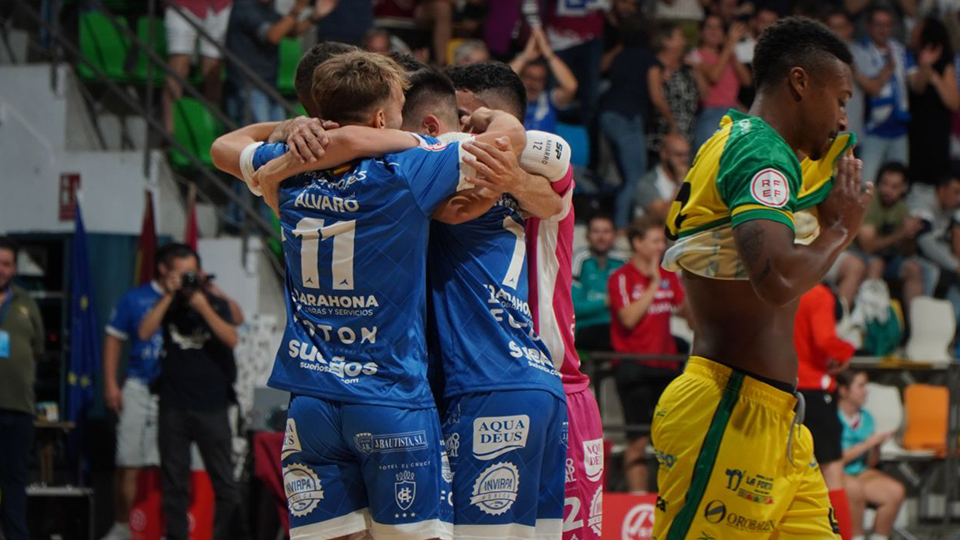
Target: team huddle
{"type": "Point", "coordinates": [436, 390]}
{"type": "Point", "coordinates": [399, 244]}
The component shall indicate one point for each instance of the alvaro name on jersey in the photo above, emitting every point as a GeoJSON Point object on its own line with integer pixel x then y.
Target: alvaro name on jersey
{"type": "Point", "coordinates": [355, 244]}
{"type": "Point", "coordinates": [478, 281]}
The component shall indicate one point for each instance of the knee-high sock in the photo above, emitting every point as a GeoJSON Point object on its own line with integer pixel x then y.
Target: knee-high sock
{"type": "Point", "coordinates": [841, 510]}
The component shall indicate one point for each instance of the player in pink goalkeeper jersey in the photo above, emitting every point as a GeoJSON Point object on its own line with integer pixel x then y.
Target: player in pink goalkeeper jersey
{"type": "Point", "coordinates": [549, 254]}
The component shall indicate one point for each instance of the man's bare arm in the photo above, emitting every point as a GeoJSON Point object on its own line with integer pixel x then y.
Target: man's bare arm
{"type": "Point", "coordinates": [226, 150]}
{"type": "Point", "coordinates": [779, 270]}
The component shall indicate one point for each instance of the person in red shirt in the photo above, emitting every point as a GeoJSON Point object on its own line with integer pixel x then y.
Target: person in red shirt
{"type": "Point", "coordinates": [642, 299]}
{"type": "Point", "coordinates": [821, 354]}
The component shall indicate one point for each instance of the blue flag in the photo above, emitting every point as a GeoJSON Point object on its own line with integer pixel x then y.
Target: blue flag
{"type": "Point", "coordinates": [84, 337]}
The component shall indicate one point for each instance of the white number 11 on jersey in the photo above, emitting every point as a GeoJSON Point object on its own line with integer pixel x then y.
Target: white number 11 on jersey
{"type": "Point", "coordinates": [311, 231]}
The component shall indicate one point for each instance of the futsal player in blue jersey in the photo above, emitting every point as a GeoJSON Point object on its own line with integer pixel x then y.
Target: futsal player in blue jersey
{"type": "Point", "coordinates": [363, 448]}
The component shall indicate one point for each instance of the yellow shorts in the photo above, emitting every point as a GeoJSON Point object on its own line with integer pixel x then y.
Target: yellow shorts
{"type": "Point", "coordinates": [721, 439]}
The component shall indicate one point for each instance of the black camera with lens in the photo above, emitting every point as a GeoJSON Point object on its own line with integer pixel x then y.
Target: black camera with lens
{"type": "Point", "coordinates": [190, 282]}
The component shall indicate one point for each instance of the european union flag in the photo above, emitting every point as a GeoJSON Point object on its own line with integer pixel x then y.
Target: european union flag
{"type": "Point", "coordinates": [84, 337]}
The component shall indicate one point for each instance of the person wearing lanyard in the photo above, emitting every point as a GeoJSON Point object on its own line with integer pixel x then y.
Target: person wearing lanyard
{"type": "Point", "coordinates": [21, 342]}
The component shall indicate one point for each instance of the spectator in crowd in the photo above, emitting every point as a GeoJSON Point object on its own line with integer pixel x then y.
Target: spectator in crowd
{"type": "Point", "coordinates": [731, 11]}
{"type": "Point", "coordinates": [934, 97]}
{"type": "Point", "coordinates": [642, 299]}
{"type": "Point", "coordinates": [624, 110]}
{"type": "Point", "coordinates": [377, 40]}
{"type": "Point", "coordinates": [862, 481]}
{"type": "Point", "coordinates": [885, 66]}
{"type": "Point", "coordinates": [821, 354]}
{"type": "Point", "coordinates": [196, 387]}
{"type": "Point", "coordinates": [471, 51]}
{"type": "Point", "coordinates": [887, 227]}
{"type": "Point", "coordinates": [132, 402]}
{"type": "Point", "coordinates": [839, 21]}
{"type": "Point", "coordinates": [939, 233]}
{"type": "Point", "coordinates": [672, 87]}
{"type": "Point", "coordinates": [658, 188]}
{"type": "Point", "coordinates": [347, 23]}
{"type": "Point", "coordinates": [574, 30]}
{"type": "Point", "coordinates": [210, 15]}
{"type": "Point", "coordinates": [591, 272]}
{"type": "Point", "coordinates": [723, 73]}
{"type": "Point", "coordinates": [254, 34]}
{"type": "Point", "coordinates": [686, 15]}
{"type": "Point", "coordinates": [21, 344]}
{"type": "Point", "coordinates": [622, 11]}
{"type": "Point", "coordinates": [435, 17]}
{"type": "Point", "coordinates": [763, 18]}
{"type": "Point", "coordinates": [535, 65]}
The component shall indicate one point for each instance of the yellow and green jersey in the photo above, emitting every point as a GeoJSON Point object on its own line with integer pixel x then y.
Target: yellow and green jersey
{"type": "Point", "coordinates": [745, 171]}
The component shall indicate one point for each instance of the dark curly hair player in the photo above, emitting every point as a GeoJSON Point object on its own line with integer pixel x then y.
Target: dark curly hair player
{"type": "Point", "coordinates": [734, 457]}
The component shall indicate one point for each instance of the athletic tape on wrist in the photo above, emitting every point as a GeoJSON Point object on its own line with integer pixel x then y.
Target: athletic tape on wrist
{"type": "Point", "coordinates": [246, 167]}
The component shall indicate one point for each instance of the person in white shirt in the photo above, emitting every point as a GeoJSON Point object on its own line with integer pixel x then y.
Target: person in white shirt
{"type": "Point", "coordinates": [657, 188]}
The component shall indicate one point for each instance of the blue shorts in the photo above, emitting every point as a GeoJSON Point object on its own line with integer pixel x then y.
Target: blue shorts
{"type": "Point", "coordinates": [349, 468]}
{"type": "Point", "coordinates": [508, 454]}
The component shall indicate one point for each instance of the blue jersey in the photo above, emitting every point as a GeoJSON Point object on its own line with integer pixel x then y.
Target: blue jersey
{"type": "Point", "coordinates": [355, 243]}
{"type": "Point", "coordinates": [483, 331]}
{"type": "Point", "coordinates": [124, 324]}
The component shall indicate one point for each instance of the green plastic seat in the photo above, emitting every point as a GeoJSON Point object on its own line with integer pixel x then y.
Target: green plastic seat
{"type": "Point", "coordinates": [290, 52]}
{"type": "Point", "coordinates": [157, 45]}
{"type": "Point", "coordinates": [103, 44]}
{"type": "Point", "coordinates": [195, 128]}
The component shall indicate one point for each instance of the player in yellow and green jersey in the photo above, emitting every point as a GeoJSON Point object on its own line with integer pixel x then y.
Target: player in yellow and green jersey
{"type": "Point", "coordinates": [770, 202]}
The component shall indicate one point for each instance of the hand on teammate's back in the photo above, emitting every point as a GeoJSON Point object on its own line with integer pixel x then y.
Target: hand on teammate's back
{"type": "Point", "coordinates": [844, 208]}
{"type": "Point", "coordinates": [496, 166]}
{"type": "Point", "coordinates": [306, 137]}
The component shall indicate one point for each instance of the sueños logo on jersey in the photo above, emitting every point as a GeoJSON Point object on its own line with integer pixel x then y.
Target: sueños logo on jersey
{"type": "Point", "coordinates": [391, 442]}
{"type": "Point", "coordinates": [302, 488]}
{"type": "Point", "coordinates": [494, 436]}
{"type": "Point", "coordinates": [312, 359]}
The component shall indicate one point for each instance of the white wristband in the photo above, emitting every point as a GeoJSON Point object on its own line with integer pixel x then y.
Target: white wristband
{"type": "Point", "coordinates": [246, 168]}
{"type": "Point", "coordinates": [545, 154]}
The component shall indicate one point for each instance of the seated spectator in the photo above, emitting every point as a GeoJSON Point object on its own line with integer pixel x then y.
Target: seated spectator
{"type": "Point", "coordinates": [253, 35]}
{"type": "Point", "coordinates": [820, 354]}
{"type": "Point", "coordinates": [672, 87]}
{"type": "Point", "coordinates": [182, 37]}
{"type": "Point", "coordinates": [591, 271]}
{"type": "Point", "coordinates": [535, 65]}
{"type": "Point", "coordinates": [642, 299]}
{"type": "Point", "coordinates": [658, 188]}
{"type": "Point", "coordinates": [887, 227]}
{"type": "Point", "coordinates": [624, 110]}
{"type": "Point", "coordinates": [861, 453]}
{"type": "Point", "coordinates": [885, 66]}
{"type": "Point", "coordinates": [936, 240]}
{"type": "Point", "coordinates": [471, 51]}
{"type": "Point", "coordinates": [721, 72]}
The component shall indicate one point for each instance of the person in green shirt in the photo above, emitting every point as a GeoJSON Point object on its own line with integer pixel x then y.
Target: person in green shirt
{"type": "Point", "coordinates": [21, 342]}
{"type": "Point", "coordinates": [591, 270]}
{"type": "Point", "coordinates": [887, 228]}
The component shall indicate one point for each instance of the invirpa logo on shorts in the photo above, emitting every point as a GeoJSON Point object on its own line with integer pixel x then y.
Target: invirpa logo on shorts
{"type": "Point", "coordinates": [494, 436]}
{"type": "Point", "coordinates": [291, 441]}
{"type": "Point", "coordinates": [595, 521]}
{"type": "Point", "coordinates": [593, 459]}
{"type": "Point", "coordinates": [303, 489]}
{"type": "Point", "coordinates": [495, 490]}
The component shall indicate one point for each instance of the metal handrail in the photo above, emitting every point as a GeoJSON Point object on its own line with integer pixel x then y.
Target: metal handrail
{"type": "Point", "coordinates": [248, 73]}
{"type": "Point", "coordinates": [130, 102]}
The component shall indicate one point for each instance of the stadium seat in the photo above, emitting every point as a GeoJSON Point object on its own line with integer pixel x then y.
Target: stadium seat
{"type": "Point", "coordinates": [886, 407]}
{"type": "Point", "coordinates": [104, 46]}
{"type": "Point", "coordinates": [195, 128]}
{"type": "Point", "coordinates": [579, 142]}
{"type": "Point", "coordinates": [290, 52]}
{"type": "Point", "coordinates": [932, 325]}
{"type": "Point", "coordinates": [927, 408]}
{"type": "Point", "coordinates": [158, 44]}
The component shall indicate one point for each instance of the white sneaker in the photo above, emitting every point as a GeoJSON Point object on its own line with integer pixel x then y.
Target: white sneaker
{"type": "Point", "coordinates": [119, 531]}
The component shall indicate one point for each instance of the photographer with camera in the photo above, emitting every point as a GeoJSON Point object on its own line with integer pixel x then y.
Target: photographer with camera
{"type": "Point", "coordinates": [197, 371]}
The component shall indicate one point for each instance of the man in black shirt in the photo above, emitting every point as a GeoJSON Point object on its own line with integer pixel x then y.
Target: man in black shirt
{"type": "Point", "coordinates": [197, 371]}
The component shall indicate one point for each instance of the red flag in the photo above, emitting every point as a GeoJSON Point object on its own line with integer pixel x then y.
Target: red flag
{"type": "Point", "coordinates": [191, 233]}
{"type": "Point", "coordinates": [147, 247]}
